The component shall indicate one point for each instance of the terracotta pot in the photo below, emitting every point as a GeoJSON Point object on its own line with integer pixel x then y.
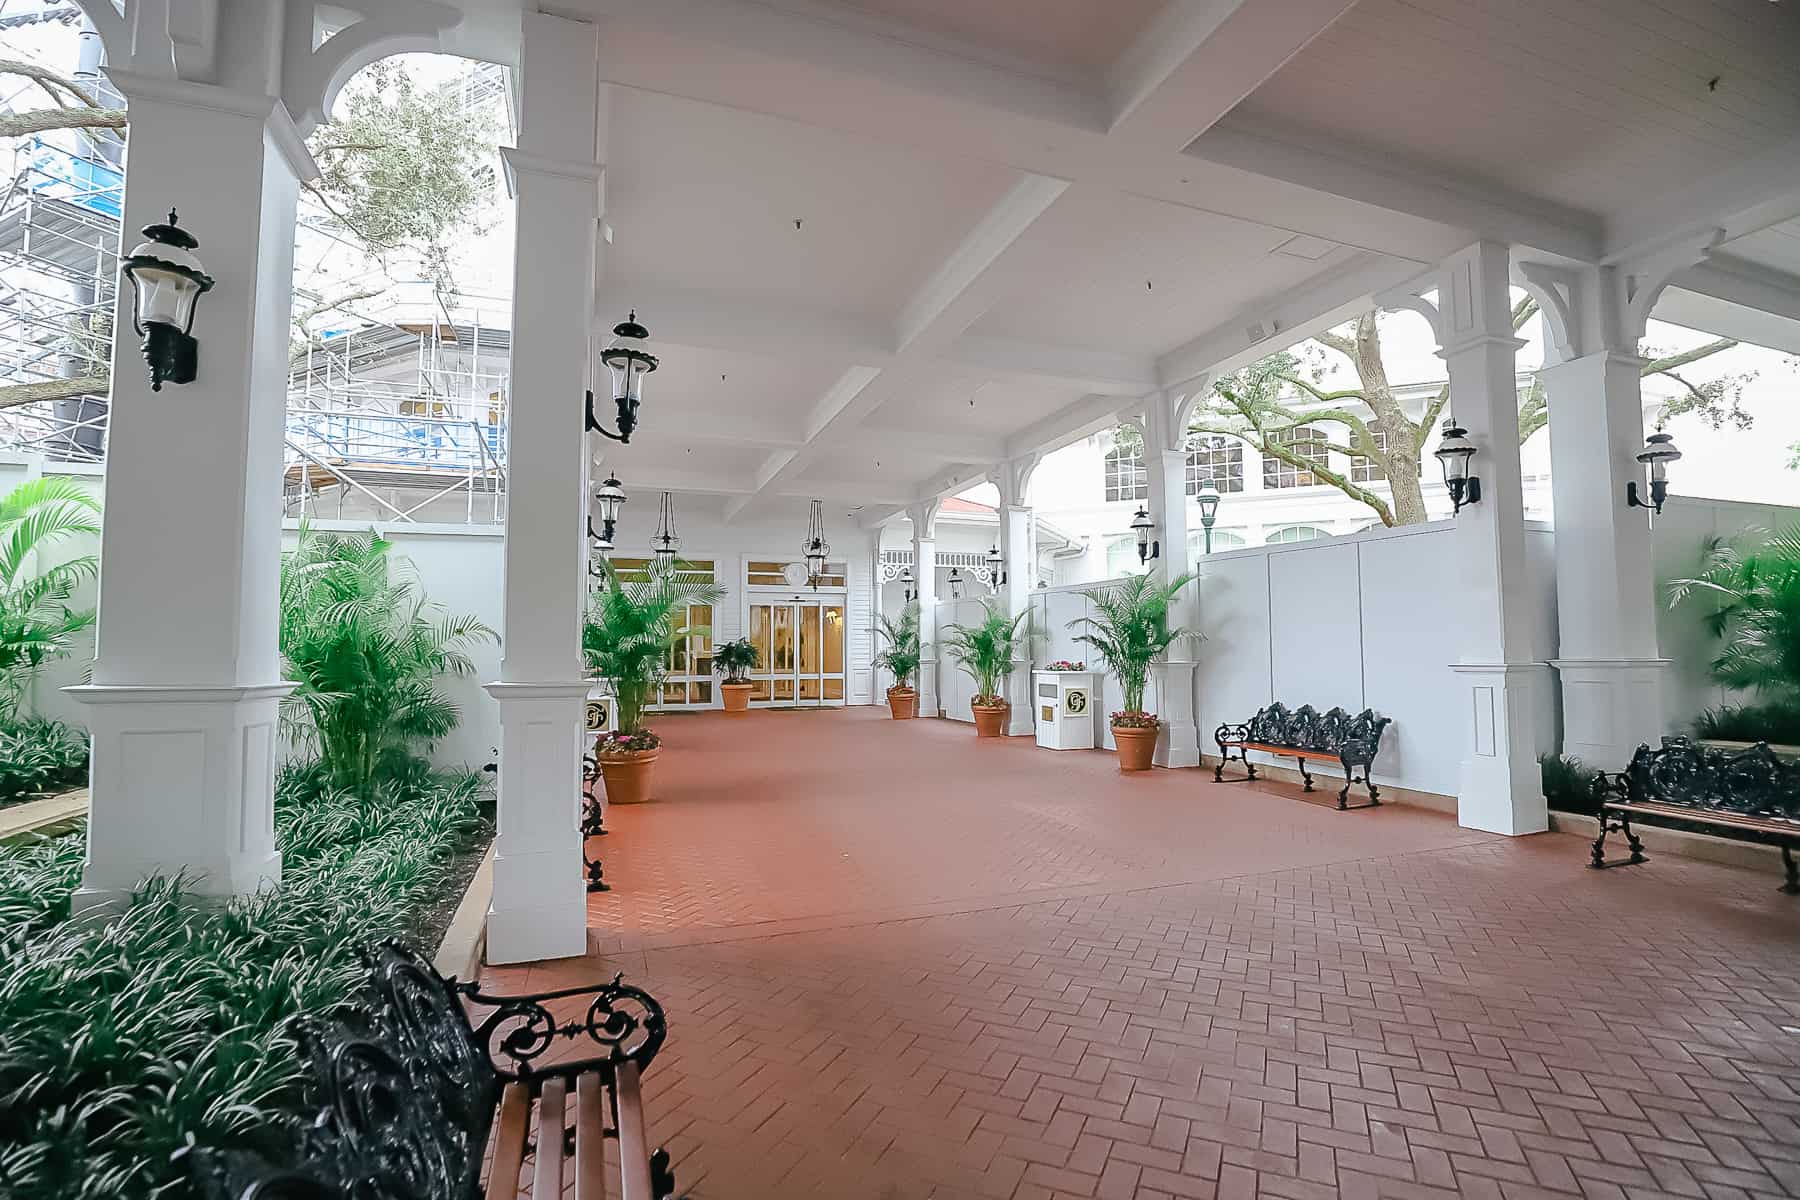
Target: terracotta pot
{"type": "Point", "coordinates": [628, 776]}
{"type": "Point", "coordinates": [737, 697]}
{"type": "Point", "coordinates": [903, 703]}
{"type": "Point", "coordinates": [1136, 747]}
{"type": "Point", "coordinates": [990, 720]}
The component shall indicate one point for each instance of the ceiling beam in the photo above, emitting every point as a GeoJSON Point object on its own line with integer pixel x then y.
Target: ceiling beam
{"type": "Point", "coordinates": [1747, 284]}
{"type": "Point", "coordinates": [684, 317]}
{"type": "Point", "coordinates": [1756, 193]}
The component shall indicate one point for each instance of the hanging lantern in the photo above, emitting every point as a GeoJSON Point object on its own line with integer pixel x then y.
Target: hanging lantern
{"type": "Point", "coordinates": [1658, 452]}
{"type": "Point", "coordinates": [996, 567]}
{"type": "Point", "coordinates": [906, 578]}
{"type": "Point", "coordinates": [628, 362]}
{"type": "Point", "coordinates": [167, 282]}
{"type": "Point", "coordinates": [667, 543]}
{"type": "Point", "coordinates": [1143, 527]}
{"type": "Point", "coordinates": [1454, 452]}
{"type": "Point", "coordinates": [956, 583]}
{"type": "Point", "coordinates": [815, 548]}
{"type": "Point", "coordinates": [607, 499]}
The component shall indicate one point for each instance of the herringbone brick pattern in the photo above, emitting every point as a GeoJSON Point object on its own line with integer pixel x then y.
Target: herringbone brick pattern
{"type": "Point", "coordinates": [1399, 1009]}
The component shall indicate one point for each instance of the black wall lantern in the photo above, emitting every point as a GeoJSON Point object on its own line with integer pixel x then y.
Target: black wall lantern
{"type": "Point", "coordinates": [1143, 526]}
{"type": "Point", "coordinates": [628, 362]}
{"type": "Point", "coordinates": [996, 567]}
{"type": "Point", "coordinates": [1454, 452]}
{"type": "Point", "coordinates": [1658, 452]}
{"type": "Point", "coordinates": [1208, 497]}
{"type": "Point", "coordinates": [906, 579]}
{"type": "Point", "coordinates": [667, 543]}
{"type": "Point", "coordinates": [815, 548]}
{"type": "Point", "coordinates": [167, 282]}
{"type": "Point", "coordinates": [607, 499]}
{"type": "Point", "coordinates": [956, 583]}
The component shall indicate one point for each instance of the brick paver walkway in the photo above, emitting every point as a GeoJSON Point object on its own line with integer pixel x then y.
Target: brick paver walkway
{"type": "Point", "coordinates": [901, 963]}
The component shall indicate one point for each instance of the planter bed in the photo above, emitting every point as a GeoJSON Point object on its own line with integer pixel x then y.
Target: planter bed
{"type": "Point", "coordinates": [122, 1043]}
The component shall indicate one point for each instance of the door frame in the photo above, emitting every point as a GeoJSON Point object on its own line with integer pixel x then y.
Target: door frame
{"type": "Point", "coordinates": [838, 597]}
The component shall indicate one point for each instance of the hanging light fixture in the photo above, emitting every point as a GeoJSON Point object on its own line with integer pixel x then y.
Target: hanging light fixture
{"type": "Point", "coordinates": [1143, 527]}
{"type": "Point", "coordinates": [1658, 452]}
{"type": "Point", "coordinates": [628, 362]}
{"type": "Point", "coordinates": [607, 499]}
{"type": "Point", "coordinates": [1454, 452]}
{"type": "Point", "coordinates": [956, 583]}
{"type": "Point", "coordinates": [1208, 497]}
{"type": "Point", "coordinates": [815, 548]}
{"type": "Point", "coordinates": [167, 282]}
{"type": "Point", "coordinates": [667, 543]}
{"type": "Point", "coordinates": [906, 578]}
{"type": "Point", "coordinates": [996, 567]}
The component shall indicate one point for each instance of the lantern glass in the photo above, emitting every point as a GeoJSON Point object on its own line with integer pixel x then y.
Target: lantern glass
{"type": "Point", "coordinates": [1658, 452]}
{"type": "Point", "coordinates": [1208, 496]}
{"type": "Point", "coordinates": [1142, 525]}
{"type": "Point", "coordinates": [610, 496]}
{"type": "Point", "coordinates": [1454, 452]}
{"type": "Point", "coordinates": [628, 359]}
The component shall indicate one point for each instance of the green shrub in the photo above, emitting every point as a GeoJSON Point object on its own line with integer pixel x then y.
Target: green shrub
{"type": "Point", "coordinates": [630, 632]}
{"type": "Point", "coordinates": [1130, 630]}
{"type": "Point", "coordinates": [124, 1042]}
{"type": "Point", "coordinates": [40, 755]}
{"type": "Point", "coordinates": [1568, 785]}
{"type": "Point", "coordinates": [1751, 588]}
{"type": "Point", "coordinates": [36, 622]}
{"type": "Point", "coordinates": [901, 633]}
{"type": "Point", "coordinates": [1776, 721]}
{"type": "Point", "coordinates": [985, 649]}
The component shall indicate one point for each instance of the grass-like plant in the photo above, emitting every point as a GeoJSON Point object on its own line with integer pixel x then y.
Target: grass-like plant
{"type": "Point", "coordinates": [36, 622]}
{"type": "Point", "coordinates": [630, 633]}
{"type": "Point", "coordinates": [40, 755]}
{"type": "Point", "coordinates": [368, 650]}
{"type": "Point", "coordinates": [985, 649]}
{"type": "Point", "coordinates": [735, 660]}
{"type": "Point", "coordinates": [900, 633]}
{"type": "Point", "coordinates": [1776, 721]}
{"type": "Point", "coordinates": [124, 1043]}
{"type": "Point", "coordinates": [1130, 631]}
{"type": "Point", "coordinates": [1568, 784]}
{"type": "Point", "coordinates": [1753, 587]}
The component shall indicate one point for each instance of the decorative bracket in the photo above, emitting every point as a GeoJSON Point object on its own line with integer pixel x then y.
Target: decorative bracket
{"type": "Point", "coordinates": [1641, 282]}
{"type": "Point", "coordinates": [1406, 299]}
{"type": "Point", "coordinates": [1561, 296]}
{"type": "Point", "coordinates": [1013, 477]}
{"type": "Point", "coordinates": [924, 519]}
{"type": "Point", "coordinates": [315, 71]}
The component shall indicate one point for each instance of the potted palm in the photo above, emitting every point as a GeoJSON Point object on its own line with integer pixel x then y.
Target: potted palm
{"type": "Point", "coordinates": [901, 660]}
{"type": "Point", "coordinates": [735, 661]}
{"type": "Point", "coordinates": [985, 650]}
{"type": "Point", "coordinates": [1129, 630]}
{"type": "Point", "coordinates": [629, 637]}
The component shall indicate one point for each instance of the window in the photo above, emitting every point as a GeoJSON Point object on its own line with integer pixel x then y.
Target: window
{"type": "Point", "coordinates": [1126, 478]}
{"type": "Point", "coordinates": [1215, 457]}
{"type": "Point", "coordinates": [1308, 444]}
{"type": "Point", "coordinates": [1223, 540]}
{"type": "Point", "coordinates": [1370, 470]}
{"type": "Point", "coordinates": [1121, 556]}
{"type": "Point", "coordinates": [1295, 533]}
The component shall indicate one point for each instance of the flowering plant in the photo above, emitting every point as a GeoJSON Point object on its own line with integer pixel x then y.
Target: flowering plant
{"type": "Point", "coordinates": [1133, 719]}
{"type": "Point", "coordinates": [627, 743]}
{"type": "Point", "coordinates": [1063, 664]}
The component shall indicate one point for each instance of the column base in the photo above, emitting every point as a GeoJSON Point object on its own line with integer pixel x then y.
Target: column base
{"type": "Point", "coordinates": [182, 781]}
{"type": "Point", "coordinates": [1178, 740]}
{"type": "Point", "coordinates": [1021, 720]}
{"type": "Point", "coordinates": [539, 909]}
{"type": "Point", "coordinates": [928, 689]}
{"type": "Point", "coordinates": [1501, 788]}
{"type": "Point", "coordinates": [1610, 707]}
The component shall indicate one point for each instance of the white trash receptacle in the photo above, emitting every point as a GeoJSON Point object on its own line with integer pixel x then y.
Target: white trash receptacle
{"type": "Point", "coordinates": [1064, 701]}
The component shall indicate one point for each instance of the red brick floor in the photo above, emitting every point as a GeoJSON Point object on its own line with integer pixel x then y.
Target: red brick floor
{"type": "Point", "coordinates": [899, 962]}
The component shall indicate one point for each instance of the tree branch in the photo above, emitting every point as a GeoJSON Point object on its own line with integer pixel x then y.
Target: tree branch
{"type": "Point", "coordinates": [1666, 364]}
{"type": "Point", "coordinates": [45, 119]}
{"type": "Point", "coordinates": [12, 395]}
{"type": "Point", "coordinates": [1318, 394]}
{"type": "Point", "coordinates": [1338, 342]}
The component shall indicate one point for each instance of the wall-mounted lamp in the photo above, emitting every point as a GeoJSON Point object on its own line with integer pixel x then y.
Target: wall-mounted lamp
{"type": "Point", "coordinates": [1454, 452]}
{"type": "Point", "coordinates": [956, 582]}
{"type": "Point", "coordinates": [996, 567]}
{"type": "Point", "coordinates": [1143, 526]}
{"type": "Point", "coordinates": [628, 362]}
{"type": "Point", "coordinates": [1658, 452]}
{"type": "Point", "coordinates": [906, 578]}
{"type": "Point", "coordinates": [167, 282]}
{"type": "Point", "coordinates": [607, 499]}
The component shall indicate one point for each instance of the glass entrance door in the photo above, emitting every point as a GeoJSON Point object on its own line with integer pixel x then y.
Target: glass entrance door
{"type": "Point", "coordinates": [800, 652]}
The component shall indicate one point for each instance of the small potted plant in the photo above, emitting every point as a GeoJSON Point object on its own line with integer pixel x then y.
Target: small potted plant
{"type": "Point", "coordinates": [985, 650]}
{"type": "Point", "coordinates": [735, 661]}
{"type": "Point", "coordinates": [1130, 630]}
{"type": "Point", "coordinates": [1063, 664]}
{"type": "Point", "coordinates": [629, 637]}
{"type": "Point", "coordinates": [901, 660]}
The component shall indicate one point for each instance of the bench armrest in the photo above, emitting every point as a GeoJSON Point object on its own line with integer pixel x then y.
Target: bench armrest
{"type": "Point", "coordinates": [1231, 733]}
{"type": "Point", "coordinates": [1610, 788]}
{"type": "Point", "coordinates": [625, 1023]}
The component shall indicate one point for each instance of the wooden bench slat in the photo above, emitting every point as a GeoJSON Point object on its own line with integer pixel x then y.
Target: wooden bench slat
{"type": "Point", "coordinates": [634, 1141]}
{"type": "Point", "coordinates": [1704, 816]}
{"type": "Point", "coordinates": [590, 1138]}
{"type": "Point", "coordinates": [509, 1142]}
{"type": "Point", "coordinates": [546, 1181]}
{"type": "Point", "coordinates": [1289, 751]}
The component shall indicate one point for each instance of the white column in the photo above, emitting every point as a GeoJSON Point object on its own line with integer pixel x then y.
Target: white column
{"type": "Point", "coordinates": [1165, 463]}
{"type": "Point", "coordinates": [1012, 479]}
{"type": "Point", "coordinates": [185, 688]}
{"type": "Point", "coordinates": [1502, 685]}
{"type": "Point", "coordinates": [924, 544]}
{"type": "Point", "coordinates": [539, 907]}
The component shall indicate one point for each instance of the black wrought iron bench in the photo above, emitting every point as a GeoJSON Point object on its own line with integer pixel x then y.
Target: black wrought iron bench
{"type": "Point", "coordinates": [1749, 795]}
{"type": "Point", "coordinates": [409, 1101]}
{"type": "Point", "coordinates": [1303, 733]}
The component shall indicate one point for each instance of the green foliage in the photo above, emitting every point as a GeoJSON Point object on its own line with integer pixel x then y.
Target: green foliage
{"type": "Point", "coordinates": [1753, 587]}
{"type": "Point", "coordinates": [1777, 721]}
{"type": "Point", "coordinates": [36, 622]}
{"type": "Point", "coordinates": [1568, 785]}
{"type": "Point", "coordinates": [901, 633]}
{"type": "Point", "coordinates": [985, 649]}
{"type": "Point", "coordinates": [735, 660]}
{"type": "Point", "coordinates": [631, 630]}
{"type": "Point", "coordinates": [123, 1043]}
{"type": "Point", "coordinates": [367, 650]}
{"type": "Point", "coordinates": [40, 755]}
{"type": "Point", "coordinates": [1130, 629]}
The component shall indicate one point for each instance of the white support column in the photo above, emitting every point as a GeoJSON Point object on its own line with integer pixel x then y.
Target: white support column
{"type": "Point", "coordinates": [185, 688]}
{"type": "Point", "coordinates": [1012, 479]}
{"type": "Point", "coordinates": [1503, 686]}
{"type": "Point", "coordinates": [1165, 463]}
{"type": "Point", "coordinates": [924, 544]}
{"type": "Point", "coordinates": [539, 907]}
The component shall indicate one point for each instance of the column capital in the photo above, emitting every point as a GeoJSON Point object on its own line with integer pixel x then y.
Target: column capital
{"type": "Point", "coordinates": [924, 517]}
{"type": "Point", "coordinates": [142, 90]}
{"type": "Point", "coordinates": [523, 162]}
